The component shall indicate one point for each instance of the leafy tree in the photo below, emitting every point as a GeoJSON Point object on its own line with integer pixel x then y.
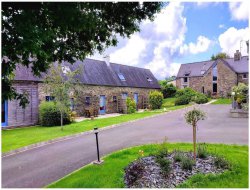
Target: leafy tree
{"type": "Point", "coordinates": [36, 34]}
{"type": "Point", "coordinates": [61, 84]}
{"type": "Point", "coordinates": [192, 117]}
{"type": "Point", "coordinates": [168, 90]}
{"type": "Point", "coordinates": [219, 56]}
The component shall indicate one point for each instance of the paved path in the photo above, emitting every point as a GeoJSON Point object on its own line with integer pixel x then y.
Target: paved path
{"type": "Point", "coordinates": [41, 166]}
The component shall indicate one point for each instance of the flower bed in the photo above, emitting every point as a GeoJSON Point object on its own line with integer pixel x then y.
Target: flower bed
{"type": "Point", "coordinates": [147, 173]}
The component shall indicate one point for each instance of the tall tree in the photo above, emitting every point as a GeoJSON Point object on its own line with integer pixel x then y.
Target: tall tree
{"type": "Point", "coordinates": [220, 56]}
{"type": "Point", "coordinates": [38, 33]}
{"type": "Point", "coordinates": [62, 83]}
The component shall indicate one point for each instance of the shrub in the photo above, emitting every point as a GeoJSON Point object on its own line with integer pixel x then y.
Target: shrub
{"type": "Point", "coordinates": [49, 115]}
{"type": "Point", "coordinates": [200, 98]}
{"type": "Point", "coordinates": [187, 163]}
{"type": "Point", "coordinates": [202, 151]}
{"type": "Point", "coordinates": [178, 156]}
{"type": "Point", "coordinates": [241, 92]}
{"type": "Point", "coordinates": [165, 165]}
{"type": "Point", "coordinates": [155, 99]}
{"type": "Point", "coordinates": [162, 150]}
{"type": "Point", "coordinates": [182, 100]}
{"type": "Point", "coordinates": [220, 162]}
{"type": "Point", "coordinates": [188, 92]}
{"type": "Point", "coordinates": [131, 106]}
{"type": "Point", "coordinates": [168, 90]}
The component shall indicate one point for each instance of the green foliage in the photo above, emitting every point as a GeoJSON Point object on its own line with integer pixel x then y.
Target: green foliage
{"type": "Point", "coordinates": [168, 90]}
{"type": "Point", "coordinates": [155, 99]}
{"type": "Point", "coordinates": [49, 114]}
{"type": "Point", "coordinates": [221, 162]}
{"type": "Point", "coordinates": [241, 93]}
{"type": "Point", "coordinates": [162, 150]}
{"type": "Point", "coordinates": [202, 151]}
{"type": "Point", "coordinates": [193, 116]}
{"type": "Point", "coordinates": [182, 100]}
{"type": "Point", "coordinates": [188, 92]}
{"type": "Point", "coordinates": [131, 106]}
{"type": "Point", "coordinates": [178, 156]}
{"type": "Point", "coordinates": [200, 98]}
{"type": "Point", "coordinates": [187, 163]}
{"type": "Point", "coordinates": [220, 56]}
{"type": "Point", "coordinates": [63, 31]}
{"type": "Point", "coordinates": [165, 165]}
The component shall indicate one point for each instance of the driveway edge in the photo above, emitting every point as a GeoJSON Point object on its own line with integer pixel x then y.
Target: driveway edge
{"type": "Point", "coordinates": [59, 139]}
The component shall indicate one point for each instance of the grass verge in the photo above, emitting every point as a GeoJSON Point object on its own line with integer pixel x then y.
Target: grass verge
{"type": "Point", "coordinates": [17, 138]}
{"type": "Point", "coordinates": [110, 174]}
{"type": "Point", "coordinates": [223, 101]}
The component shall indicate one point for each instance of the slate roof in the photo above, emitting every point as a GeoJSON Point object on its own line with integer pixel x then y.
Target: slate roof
{"type": "Point", "coordinates": [95, 72]}
{"type": "Point", "coordinates": [200, 68]}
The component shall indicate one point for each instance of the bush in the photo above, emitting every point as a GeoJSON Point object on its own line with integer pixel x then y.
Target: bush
{"type": "Point", "coordinates": [241, 92]}
{"type": "Point", "coordinates": [162, 150]}
{"type": "Point", "coordinates": [187, 163]}
{"type": "Point", "coordinates": [165, 165]}
{"type": "Point", "coordinates": [188, 92]}
{"type": "Point", "coordinates": [182, 100]}
{"type": "Point", "coordinates": [200, 98]}
{"type": "Point", "coordinates": [155, 99]}
{"type": "Point", "coordinates": [220, 162]}
{"type": "Point", "coordinates": [49, 115]}
{"type": "Point", "coordinates": [131, 106]}
{"type": "Point", "coordinates": [168, 90]}
{"type": "Point", "coordinates": [202, 151]}
{"type": "Point", "coordinates": [178, 156]}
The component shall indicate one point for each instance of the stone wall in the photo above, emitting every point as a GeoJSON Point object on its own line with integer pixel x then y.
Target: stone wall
{"type": "Point", "coordinates": [241, 79]}
{"type": "Point", "coordinates": [17, 116]}
{"type": "Point", "coordinates": [227, 78]}
{"type": "Point", "coordinates": [196, 83]}
{"type": "Point", "coordinates": [178, 82]}
{"type": "Point", "coordinates": [94, 92]}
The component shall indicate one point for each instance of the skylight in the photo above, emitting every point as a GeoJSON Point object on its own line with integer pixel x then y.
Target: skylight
{"type": "Point", "coordinates": [121, 77]}
{"type": "Point", "coordinates": [149, 79]}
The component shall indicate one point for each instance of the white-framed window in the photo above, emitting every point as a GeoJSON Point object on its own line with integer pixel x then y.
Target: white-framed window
{"type": "Point", "coordinates": [121, 77]}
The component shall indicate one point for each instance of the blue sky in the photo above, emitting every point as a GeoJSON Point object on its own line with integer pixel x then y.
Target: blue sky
{"type": "Point", "coordinates": [183, 33]}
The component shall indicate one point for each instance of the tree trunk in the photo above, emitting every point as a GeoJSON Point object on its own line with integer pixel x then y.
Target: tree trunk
{"type": "Point", "coordinates": [194, 140]}
{"type": "Point", "coordinates": [61, 121]}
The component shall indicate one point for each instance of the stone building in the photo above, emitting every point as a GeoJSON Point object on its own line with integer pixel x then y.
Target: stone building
{"type": "Point", "coordinates": [105, 89]}
{"type": "Point", "coordinates": [214, 77]}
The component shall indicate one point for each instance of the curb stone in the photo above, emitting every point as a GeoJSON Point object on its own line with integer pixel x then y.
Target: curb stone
{"type": "Point", "coordinates": [44, 143]}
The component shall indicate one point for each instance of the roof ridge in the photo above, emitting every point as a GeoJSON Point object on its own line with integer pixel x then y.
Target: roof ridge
{"type": "Point", "coordinates": [198, 62]}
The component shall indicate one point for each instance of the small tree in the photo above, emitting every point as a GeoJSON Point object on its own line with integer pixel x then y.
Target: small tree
{"type": "Point", "coordinates": [60, 82]}
{"type": "Point", "coordinates": [219, 56]}
{"type": "Point", "coordinates": [192, 117]}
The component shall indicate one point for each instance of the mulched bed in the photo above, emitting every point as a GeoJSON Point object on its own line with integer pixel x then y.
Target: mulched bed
{"type": "Point", "coordinates": [146, 173]}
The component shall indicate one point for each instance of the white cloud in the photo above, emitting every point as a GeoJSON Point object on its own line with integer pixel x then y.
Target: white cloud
{"type": "Point", "coordinates": [158, 43]}
{"type": "Point", "coordinates": [131, 52]}
{"type": "Point", "coordinates": [239, 10]}
{"type": "Point", "coordinates": [230, 40]}
{"type": "Point", "coordinates": [201, 45]}
{"type": "Point", "coordinates": [221, 26]}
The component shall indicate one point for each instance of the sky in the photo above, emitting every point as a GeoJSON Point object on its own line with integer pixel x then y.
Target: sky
{"type": "Point", "coordinates": [184, 33]}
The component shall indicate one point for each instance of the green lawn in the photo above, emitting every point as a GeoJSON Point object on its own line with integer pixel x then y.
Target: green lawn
{"type": "Point", "coordinates": [17, 138]}
{"type": "Point", "coordinates": [168, 102]}
{"type": "Point", "coordinates": [223, 101]}
{"type": "Point", "coordinates": [110, 174]}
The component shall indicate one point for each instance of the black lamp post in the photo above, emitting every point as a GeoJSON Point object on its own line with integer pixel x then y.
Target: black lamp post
{"type": "Point", "coordinates": [97, 147]}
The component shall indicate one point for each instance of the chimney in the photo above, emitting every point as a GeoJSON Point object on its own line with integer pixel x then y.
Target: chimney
{"type": "Point", "coordinates": [107, 60]}
{"type": "Point", "coordinates": [237, 55]}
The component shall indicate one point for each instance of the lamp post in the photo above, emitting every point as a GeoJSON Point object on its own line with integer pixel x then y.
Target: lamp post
{"type": "Point", "coordinates": [233, 101]}
{"type": "Point", "coordinates": [97, 147]}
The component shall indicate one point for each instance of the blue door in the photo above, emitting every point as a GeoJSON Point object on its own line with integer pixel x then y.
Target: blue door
{"type": "Point", "coordinates": [136, 98]}
{"type": "Point", "coordinates": [4, 113]}
{"type": "Point", "coordinates": [102, 104]}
